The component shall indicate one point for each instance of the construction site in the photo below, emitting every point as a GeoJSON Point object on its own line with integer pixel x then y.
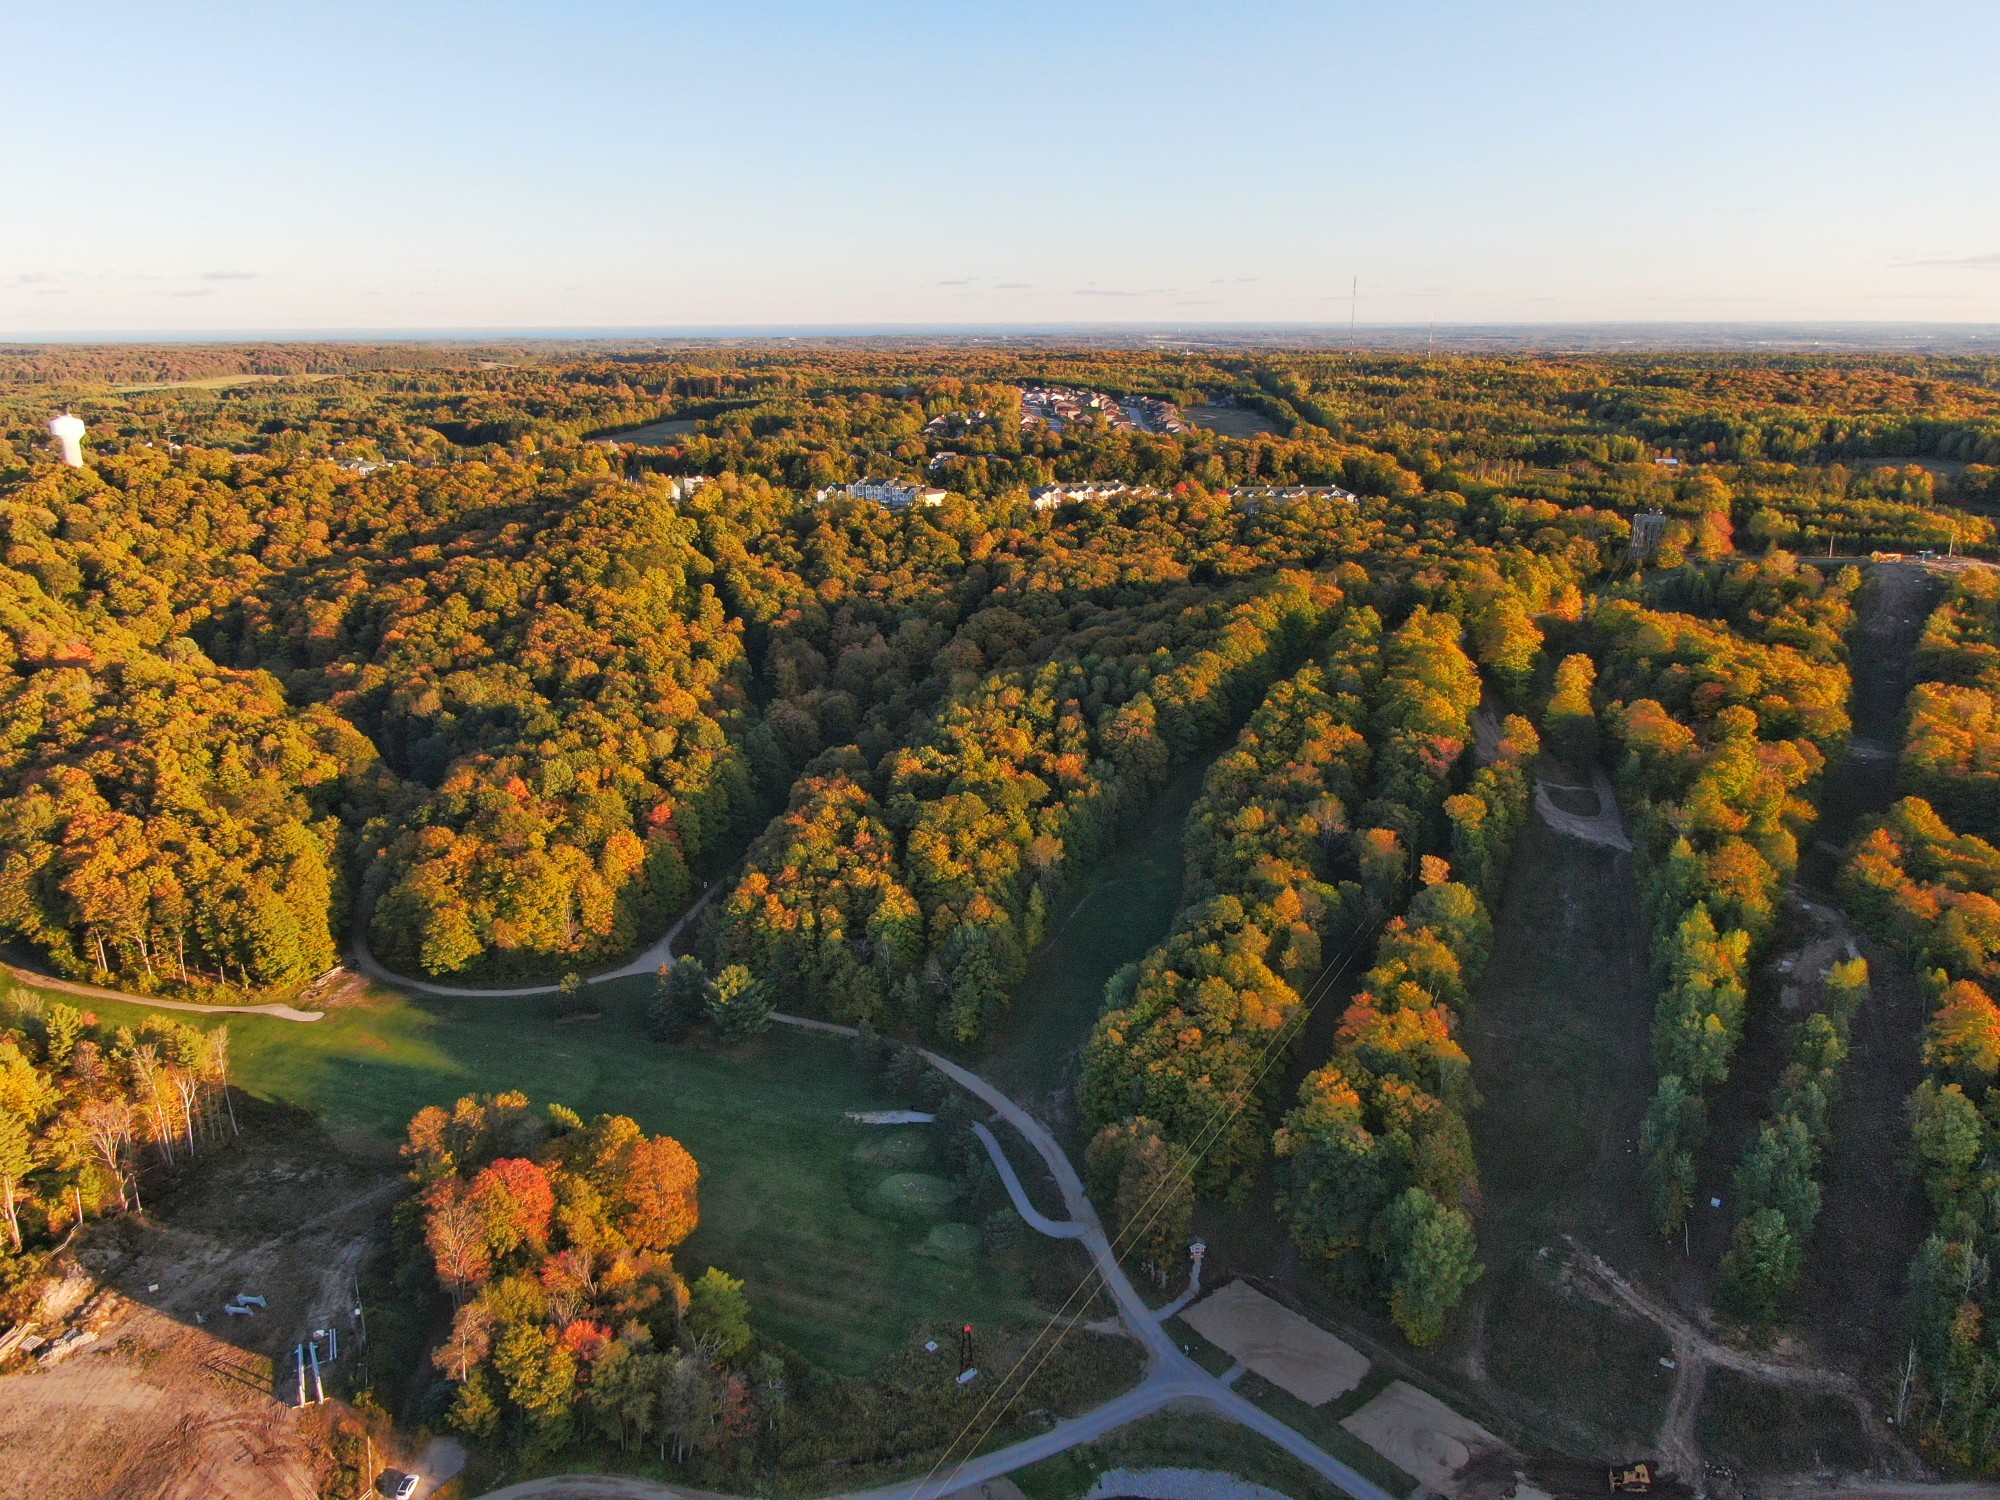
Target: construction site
{"type": "Point", "coordinates": [200, 1352]}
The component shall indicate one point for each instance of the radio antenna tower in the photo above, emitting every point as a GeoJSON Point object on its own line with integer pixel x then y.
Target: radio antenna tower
{"type": "Point", "coordinates": [1353, 298]}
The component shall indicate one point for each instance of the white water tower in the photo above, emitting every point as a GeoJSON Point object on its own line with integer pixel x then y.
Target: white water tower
{"type": "Point", "coordinates": [68, 431]}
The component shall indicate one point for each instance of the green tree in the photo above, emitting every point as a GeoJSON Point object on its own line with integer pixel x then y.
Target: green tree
{"type": "Point", "coordinates": [570, 999]}
{"type": "Point", "coordinates": [1761, 1266]}
{"type": "Point", "coordinates": [739, 1006]}
{"type": "Point", "coordinates": [718, 1315]}
{"type": "Point", "coordinates": [539, 1377]}
{"type": "Point", "coordinates": [682, 994]}
{"type": "Point", "coordinates": [1132, 1169]}
{"type": "Point", "coordinates": [1670, 1135]}
{"type": "Point", "coordinates": [1432, 1261]}
{"type": "Point", "coordinates": [474, 1409]}
{"type": "Point", "coordinates": [1336, 1177]}
{"type": "Point", "coordinates": [1948, 1134]}
{"type": "Point", "coordinates": [1777, 1172]}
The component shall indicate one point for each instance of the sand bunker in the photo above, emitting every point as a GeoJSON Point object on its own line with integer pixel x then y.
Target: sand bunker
{"type": "Point", "coordinates": [1420, 1435]}
{"type": "Point", "coordinates": [1277, 1343]}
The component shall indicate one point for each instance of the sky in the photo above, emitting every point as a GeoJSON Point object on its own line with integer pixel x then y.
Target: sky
{"type": "Point", "coordinates": [518, 165]}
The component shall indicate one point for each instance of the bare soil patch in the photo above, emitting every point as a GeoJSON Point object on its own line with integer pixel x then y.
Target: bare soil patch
{"type": "Point", "coordinates": [1291, 1352]}
{"type": "Point", "coordinates": [335, 989]}
{"type": "Point", "coordinates": [156, 1409]}
{"type": "Point", "coordinates": [1421, 1435]}
{"type": "Point", "coordinates": [176, 1398]}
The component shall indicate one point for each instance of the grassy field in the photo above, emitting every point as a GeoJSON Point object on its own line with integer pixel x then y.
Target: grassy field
{"type": "Point", "coordinates": [1761, 1429]}
{"type": "Point", "coordinates": [1231, 421]}
{"type": "Point", "coordinates": [653, 433]}
{"type": "Point", "coordinates": [831, 1268]}
{"type": "Point", "coordinates": [1174, 1440]}
{"type": "Point", "coordinates": [1558, 1035]}
{"type": "Point", "coordinates": [213, 383]}
{"type": "Point", "coordinates": [1115, 915]}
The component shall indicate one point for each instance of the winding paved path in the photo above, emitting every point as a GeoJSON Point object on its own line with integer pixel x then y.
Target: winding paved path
{"type": "Point", "coordinates": [648, 962]}
{"type": "Point", "coordinates": [98, 992]}
{"type": "Point", "coordinates": [1171, 1377]}
{"type": "Point", "coordinates": [1038, 1221]}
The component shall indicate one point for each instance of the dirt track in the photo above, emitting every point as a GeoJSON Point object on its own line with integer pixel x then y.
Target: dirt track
{"type": "Point", "coordinates": [159, 1410]}
{"type": "Point", "coordinates": [1696, 1353]}
{"type": "Point", "coordinates": [1603, 826]}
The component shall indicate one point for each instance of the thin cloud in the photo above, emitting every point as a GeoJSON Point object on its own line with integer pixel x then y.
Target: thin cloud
{"type": "Point", "coordinates": [228, 275]}
{"type": "Point", "coordinates": [1987, 262]}
{"type": "Point", "coordinates": [1093, 291]}
{"type": "Point", "coordinates": [201, 291]}
{"type": "Point", "coordinates": [36, 278]}
{"type": "Point", "coordinates": [1012, 286]}
{"type": "Point", "coordinates": [961, 281]}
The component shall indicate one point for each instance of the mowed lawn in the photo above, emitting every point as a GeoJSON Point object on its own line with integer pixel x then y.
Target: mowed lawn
{"type": "Point", "coordinates": [766, 1122]}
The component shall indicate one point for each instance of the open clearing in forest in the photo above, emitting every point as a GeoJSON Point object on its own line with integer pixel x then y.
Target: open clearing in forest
{"type": "Point", "coordinates": [1120, 909]}
{"type": "Point", "coordinates": [1847, 1313]}
{"type": "Point", "coordinates": [1231, 421]}
{"type": "Point", "coordinates": [1762, 1429]}
{"type": "Point", "coordinates": [828, 1272]}
{"type": "Point", "coordinates": [164, 1410]}
{"type": "Point", "coordinates": [652, 435]}
{"type": "Point", "coordinates": [214, 383]}
{"type": "Point", "coordinates": [1558, 1035]}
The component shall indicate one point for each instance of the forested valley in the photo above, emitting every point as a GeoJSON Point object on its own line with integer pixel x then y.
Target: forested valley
{"type": "Point", "coordinates": [495, 659]}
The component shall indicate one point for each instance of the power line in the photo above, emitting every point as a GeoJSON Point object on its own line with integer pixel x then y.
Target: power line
{"type": "Point", "coordinates": [1136, 1225]}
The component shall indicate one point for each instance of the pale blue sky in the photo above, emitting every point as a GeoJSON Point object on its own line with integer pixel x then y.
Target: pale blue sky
{"type": "Point", "coordinates": [384, 165]}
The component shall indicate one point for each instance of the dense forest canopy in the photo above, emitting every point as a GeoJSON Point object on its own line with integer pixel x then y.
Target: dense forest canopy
{"type": "Point", "coordinates": [367, 633]}
{"type": "Point", "coordinates": [494, 658]}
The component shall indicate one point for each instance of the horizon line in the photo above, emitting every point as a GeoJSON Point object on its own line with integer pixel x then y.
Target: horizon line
{"type": "Point", "coordinates": [1338, 331]}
